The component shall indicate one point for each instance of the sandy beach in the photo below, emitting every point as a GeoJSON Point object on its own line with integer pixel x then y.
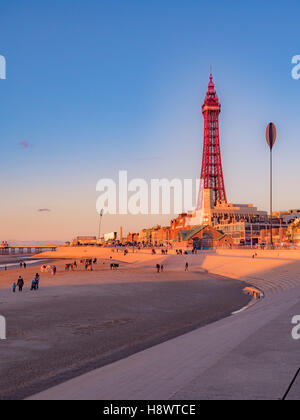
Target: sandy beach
{"type": "Point", "coordinates": [78, 321]}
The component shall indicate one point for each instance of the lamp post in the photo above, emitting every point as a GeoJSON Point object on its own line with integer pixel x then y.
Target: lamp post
{"type": "Point", "coordinates": [271, 137]}
{"type": "Point", "coordinates": [280, 234]}
{"type": "Point", "coordinates": [100, 218]}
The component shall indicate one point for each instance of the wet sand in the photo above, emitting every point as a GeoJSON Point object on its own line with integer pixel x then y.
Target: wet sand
{"type": "Point", "coordinates": [10, 259]}
{"type": "Point", "coordinates": [78, 321]}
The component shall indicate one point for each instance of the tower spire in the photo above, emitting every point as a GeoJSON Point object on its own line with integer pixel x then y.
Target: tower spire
{"type": "Point", "coordinates": [211, 171]}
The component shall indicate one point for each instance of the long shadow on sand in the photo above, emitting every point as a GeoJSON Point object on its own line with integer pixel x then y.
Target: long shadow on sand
{"type": "Point", "coordinates": [64, 331]}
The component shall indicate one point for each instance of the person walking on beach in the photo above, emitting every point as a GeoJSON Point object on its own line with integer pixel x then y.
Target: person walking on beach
{"type": "Point", "coordinates": [14, 287]}
{"type": "Point", "coordinates": [186, 266]}
{"type": "Point", "coordinates": [24, 264]}
{"type": "Point", "coordinates": [20, 283]}
{"type": "Point", "coordinates": [161, 268]}
{"type": "Point", "coordinates": [33, 285]}
{"type": "Point", "coordinates": [21, 264]}
{"type": "Point", "coordinates": [157, 267]}
{"type": "Point", "coordinates": [37, 280]}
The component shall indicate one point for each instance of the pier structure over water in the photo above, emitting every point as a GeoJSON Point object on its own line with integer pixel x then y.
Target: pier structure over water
{"type": "Point", "coordinates": [25, 249]}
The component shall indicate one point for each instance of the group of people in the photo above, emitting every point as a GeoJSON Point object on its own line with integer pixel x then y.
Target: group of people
{"type": "Point", "coordinates": [35, 282]}
{"type": "Point", "coordinates": [181, 252]}
{"type": "Point", "coordinates": [23, 264]}
{"type": "Point", "coordinates": [160, 267]}
{"type": "Point", "coordinates": [20, 283]}
{"type": "Point", "coordinates": [163, 251]}
{"type": "Point", "coordinates": [87, 262]}
{"type": "Point", "coordinates": [71, 266]}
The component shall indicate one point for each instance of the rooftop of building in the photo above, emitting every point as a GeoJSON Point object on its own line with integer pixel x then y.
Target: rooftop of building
{"type": "Point", "coordinates": [187, 234]}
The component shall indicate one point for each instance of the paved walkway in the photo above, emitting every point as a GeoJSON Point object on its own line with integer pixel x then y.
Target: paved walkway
{"type": "Point", "coordinates": [250, 355]}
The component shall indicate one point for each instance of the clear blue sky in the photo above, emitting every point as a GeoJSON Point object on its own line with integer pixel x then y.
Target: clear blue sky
{"type": "Point", "coordinates": [100, 85]}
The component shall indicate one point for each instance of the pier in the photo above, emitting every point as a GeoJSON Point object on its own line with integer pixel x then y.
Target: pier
{"type": "Point", "coordinates": [25, 249]}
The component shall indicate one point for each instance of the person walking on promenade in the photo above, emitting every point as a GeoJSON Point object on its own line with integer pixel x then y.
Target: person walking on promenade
{"type": "Point", "coordinates": [21, 264]}
{"type": "Point", "coordinates": [24, 264]}
{"type": "Point", "coordinates": [157, 267]}
{"type": "Point", "coordinates": [20, 283]}
{"type": "Point", "coordinates": [186, 266]}
{"type": "Point", "coordinates": [161, 268]}
{"type": "Point", "coordinates": [14, 287]}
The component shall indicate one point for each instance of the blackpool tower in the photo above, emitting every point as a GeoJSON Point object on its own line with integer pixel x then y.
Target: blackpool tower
{"type": "Point", "coordinates": [211, 172]}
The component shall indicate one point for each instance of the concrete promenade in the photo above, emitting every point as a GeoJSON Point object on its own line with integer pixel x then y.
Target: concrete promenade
{"type": "Point", "coordinates": [249, 355]}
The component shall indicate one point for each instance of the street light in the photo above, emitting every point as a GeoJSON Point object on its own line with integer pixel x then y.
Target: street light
{"type": "Point", "coordinates": [100, 218]}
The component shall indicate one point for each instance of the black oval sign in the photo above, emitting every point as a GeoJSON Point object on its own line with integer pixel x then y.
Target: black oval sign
{"type": "Point", "coordinates": [271, 134]}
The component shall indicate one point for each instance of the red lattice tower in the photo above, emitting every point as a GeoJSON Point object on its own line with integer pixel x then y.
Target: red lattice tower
{"type": "Point", "coordinates": [211, 172]}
